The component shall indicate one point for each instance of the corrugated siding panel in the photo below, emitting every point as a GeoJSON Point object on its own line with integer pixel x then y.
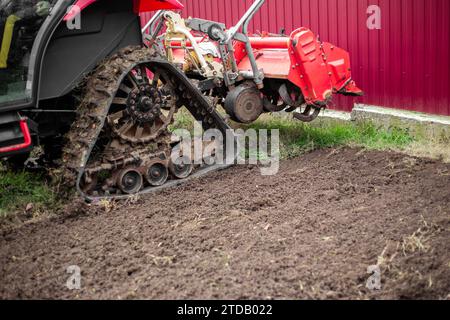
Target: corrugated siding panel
{"type": "Point", "coordinates": [404, 65]}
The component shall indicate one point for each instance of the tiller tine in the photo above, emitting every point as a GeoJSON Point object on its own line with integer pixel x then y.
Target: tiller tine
{"type": "Point", "coordinates": [308, 115]}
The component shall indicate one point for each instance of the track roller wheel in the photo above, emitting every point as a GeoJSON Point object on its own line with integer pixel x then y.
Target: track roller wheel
{"type": "Point", "coordinates": [130, 181]}
{"type": "Point", "coordinates": [157, 174]}
{"type": "Point", "coordinates": [182, 169]}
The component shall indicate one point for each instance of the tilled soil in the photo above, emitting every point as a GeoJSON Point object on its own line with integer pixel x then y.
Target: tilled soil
{"type": "Point", "coordinates": [309, 232]}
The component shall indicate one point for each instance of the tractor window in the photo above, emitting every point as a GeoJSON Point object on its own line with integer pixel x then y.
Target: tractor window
{"type": "Point", "coordinates": [20, 21]}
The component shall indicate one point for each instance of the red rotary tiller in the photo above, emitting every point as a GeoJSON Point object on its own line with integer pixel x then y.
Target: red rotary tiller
{"type": "Point", "coordinates": [256, 74]}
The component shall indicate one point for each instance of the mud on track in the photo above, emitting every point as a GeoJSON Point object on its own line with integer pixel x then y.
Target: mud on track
{"type": "Point", "coordinates": [309, 232]}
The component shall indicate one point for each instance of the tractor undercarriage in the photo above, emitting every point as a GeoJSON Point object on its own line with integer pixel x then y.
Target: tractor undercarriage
{"type": "Point", "coordinates": [120, 143]}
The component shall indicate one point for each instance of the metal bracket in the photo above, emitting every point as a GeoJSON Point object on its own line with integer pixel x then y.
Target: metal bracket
{"type": "Point", "coordinates": [233, 34]}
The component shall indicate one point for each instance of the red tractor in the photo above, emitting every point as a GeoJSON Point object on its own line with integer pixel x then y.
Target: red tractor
{"type": "Point", "coordinates": [99, 99]}
{"type": "Point", "coordinates": [250, 75]}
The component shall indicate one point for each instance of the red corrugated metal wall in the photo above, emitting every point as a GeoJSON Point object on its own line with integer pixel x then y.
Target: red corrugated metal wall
{"type": "Point", "coordinates": [404, 65]}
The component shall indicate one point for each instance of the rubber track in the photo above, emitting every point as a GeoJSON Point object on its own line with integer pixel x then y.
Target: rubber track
{"type": "Point", "coordinates": [101, 88]}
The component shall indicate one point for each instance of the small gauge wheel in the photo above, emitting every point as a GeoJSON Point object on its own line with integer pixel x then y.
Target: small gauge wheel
{"type": "Point", "coordinates": [182, 168]}
{"type": "Point", "coordinates": [157, 174]}
{"type": "Point", "coordinates": [130, 181]}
